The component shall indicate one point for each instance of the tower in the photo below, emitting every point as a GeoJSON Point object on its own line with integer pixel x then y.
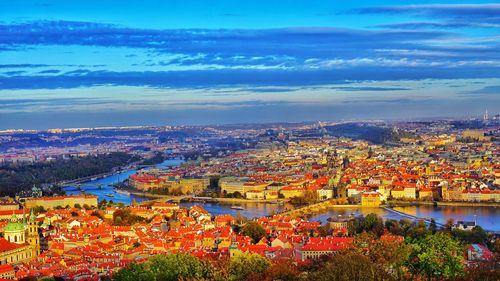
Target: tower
{"type": "Point", "coordinates": [485, 117]}
{"type": "Point", "coordinates": [233, 248]}
{"type": "Point", "coordinates": [33, 237]}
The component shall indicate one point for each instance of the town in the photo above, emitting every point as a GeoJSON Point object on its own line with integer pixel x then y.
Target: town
{"type": "Point", "coordinates": [305, 171]}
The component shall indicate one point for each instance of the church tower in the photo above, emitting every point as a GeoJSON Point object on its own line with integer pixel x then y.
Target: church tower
{"type": "Point", "coordinates": [233, 248]}
{"type": "Point", "coordinates": [33, 237]}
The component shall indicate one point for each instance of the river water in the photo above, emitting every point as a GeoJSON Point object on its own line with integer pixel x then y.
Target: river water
{"type": "Point", "coordinates": [486, 217]}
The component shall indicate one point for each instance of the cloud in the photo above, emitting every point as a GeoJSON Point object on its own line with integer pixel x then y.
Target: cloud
{"type": "Point", "coordinates": [480, 13]}
{"type": "Point", "coordinates": [49, 71]}
{"type": "Point", "coordinates": [239, 78]}
{"type": "Point", "coordinates": [253, 58]}
{"type": "Point", "coordinates": [24, 65]}
{"type": "Point", "coordinates": [371, 89]}
{"type": "Point", "coordinates": [216, 44]}
{"type": "Point", "coordinates": [439, 25]}
{"type": "Point", "coordinates": [488, 90]}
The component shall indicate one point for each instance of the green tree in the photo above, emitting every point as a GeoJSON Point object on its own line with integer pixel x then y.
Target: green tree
{"type": "Point", "coordinates": [254, 230]}
{"type": "Point", "coordinates": [134, 272]}
{"type": "Point", "coordinates": [347, 266]}
{"type": "Point", "coordinates": [172, 267]}
{"type": "Point", "coordinates": [433, 226]}
{"type": "Point", "coordinates": [373, 223]}
{"type": "Point", "coordinates": [245, 265]}
{"type": "Point", "coordinates": [437, 256]}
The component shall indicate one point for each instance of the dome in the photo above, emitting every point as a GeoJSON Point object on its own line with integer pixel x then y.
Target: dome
{"type": "Point", "coordinates": [14, 225]}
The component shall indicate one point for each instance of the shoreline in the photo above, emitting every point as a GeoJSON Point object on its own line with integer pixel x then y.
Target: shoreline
{"type": "Point", "coordinates": [438, 204]}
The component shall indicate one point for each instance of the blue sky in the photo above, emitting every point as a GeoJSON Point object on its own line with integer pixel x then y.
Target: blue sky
{"type": "Point", "coordinates": [100, 63]}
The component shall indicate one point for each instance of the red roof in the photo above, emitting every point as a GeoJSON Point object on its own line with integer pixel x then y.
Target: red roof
{"type": "Point", "coordinates": [4, 268]}
{"type": "Point", "coordinates": [6, 245]}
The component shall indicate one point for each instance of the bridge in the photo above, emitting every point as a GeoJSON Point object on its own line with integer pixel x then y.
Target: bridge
{"type": "Point", "coordinates": [162, 198]}
{"type": "Point", "coordinates": [426, 220]}
{"type": "Point", "coordinates": [315, 208]}
{"type": "Point", "coordinates": [80, 186]}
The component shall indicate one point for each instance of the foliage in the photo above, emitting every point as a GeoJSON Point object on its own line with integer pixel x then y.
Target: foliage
{"type": "Point", "coordinates": [347, 266]}
{"type": "Point", "coordinates": [247, 266]}
{"type": "Point", "coordinates": [177, 267]}
{"type": "Point", "coordinates": [125, 217]}
{"type": "Point", "coordinates": [21, 177]}
{"type": "Point", "coordinates": [254, 230]}
{"type": "Point", "coordinates": [484, 270]}
{"type": "Point", "coordinates": [283, 269]}
{"type": "Point", "coordinates": [476, 236]}
{"type": "Point", "coordinates": [437, 256]}
{"type": "Point", "coordinates": [165, 267]}
{"type": "Point", "coordinates": [372, 223]}
{"type": "Point", "coordinates": [134, 272]}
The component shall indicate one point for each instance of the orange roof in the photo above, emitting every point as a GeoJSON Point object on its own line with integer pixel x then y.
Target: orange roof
{"type": "Point", "coordinates": [4, 268]}
{"type": "Point", "coordinates": [7, 246]}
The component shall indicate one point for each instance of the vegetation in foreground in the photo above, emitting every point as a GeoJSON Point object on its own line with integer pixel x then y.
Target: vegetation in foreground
{"type": "Point", "coordinates": [426, 253]}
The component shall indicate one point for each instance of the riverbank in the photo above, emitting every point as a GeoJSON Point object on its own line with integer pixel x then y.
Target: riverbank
{"type": "Point", "coordinates": [212, 199]}
{"type": "Point", "coordinates": [394, 203]}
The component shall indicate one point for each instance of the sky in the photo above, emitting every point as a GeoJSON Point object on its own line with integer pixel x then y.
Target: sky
{"type": "Point", "coordinates": [116, 63]}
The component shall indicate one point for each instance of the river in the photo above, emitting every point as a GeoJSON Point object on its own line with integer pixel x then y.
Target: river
{"type": "Point", "coordinates": [104, 186]}
{"type": "Point", "coordinates": [484, 216]}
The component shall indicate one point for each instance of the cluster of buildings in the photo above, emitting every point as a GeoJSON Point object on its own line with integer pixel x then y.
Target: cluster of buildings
{"type": "Point", "coordinates": [425, 168]}
{"type": "Point", "coordinates": [82, 244]}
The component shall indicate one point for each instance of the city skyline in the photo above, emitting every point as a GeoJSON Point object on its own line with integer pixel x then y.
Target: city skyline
{"type": "Point", "coordinates": [90, 64]}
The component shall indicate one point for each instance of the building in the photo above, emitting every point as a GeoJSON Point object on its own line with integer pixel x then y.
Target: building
{"type": "Point", "coordinates": [13, 246]}
{"type": "Point", "coordinates": [292, 191]}
{"type": "Point", "coordinates": [7, 272]}
{"type": "Point", "coordinates": [464, 225]}
{"type": "Point", "coordinates": [33, 236]}
{"type": "Point", "coordinates": [475, 135]}
{"type": "Point", "coordinates": [398, 193]}
{"type": "Point", "coordinates": [370, 199]}
{"type": "Point", "coordinates": [325, 193]}
{"type": "Point", "coordinates": [317, 247]}
{"type": "Point", "coordinates": [255, 194]}
{"type": "Point", "coordinates": [426, 193]}
{"type": "Point", "coordinates": [61, 201]}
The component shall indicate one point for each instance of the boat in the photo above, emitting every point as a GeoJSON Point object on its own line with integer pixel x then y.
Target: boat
{"type": "Point", "coordinates": [110, 195]}
{"type": "Point", "coordinates": [237, 208]}
{"type": "Point", "coordinates": [119, 191]}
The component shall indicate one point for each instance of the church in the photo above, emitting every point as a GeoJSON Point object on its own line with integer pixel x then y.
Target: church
{"type": "Point", "coordinates": [20, 241]}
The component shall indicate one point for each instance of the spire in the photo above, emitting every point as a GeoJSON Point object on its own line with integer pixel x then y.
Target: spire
{"type": "Point", "coordinates": [13, 218]}
{"type": "Point", "coordinates": [32, 216]}
{"type": "Point", "coordinates": [24, 215]}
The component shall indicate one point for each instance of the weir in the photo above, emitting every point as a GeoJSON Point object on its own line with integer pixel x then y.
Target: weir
{"type": "Point", "coordinates": [411, 216]}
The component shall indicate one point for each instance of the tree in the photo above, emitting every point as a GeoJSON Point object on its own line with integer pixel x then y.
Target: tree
{"type": "Point", "coordinates": [433, 226]}
{"type": "Point", "coordinates": [247, 266]}
{"type": "Point", "coordinates": [134, 272]}
{"type": "Point", "coordinates": [373, 223]}
{"type": "Point", "coordinates": [437, 256]}
{"type": "Point", "coordinates": [283, 269]}
{"type": "Point", "coordinates": [476, 236]}
{"type": "Point", "coordinates": [177, 267]}
{"type": "Point", "coordinates": [487, 270]}
{"type": "Point", "coordinates": [347, 266]}
{"type": "Point", "coordinates": [418, 231]}
{"type": "Point", "coordinates": [78, 206]}
{"type": "Point", "coordinates": [254, 230]}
